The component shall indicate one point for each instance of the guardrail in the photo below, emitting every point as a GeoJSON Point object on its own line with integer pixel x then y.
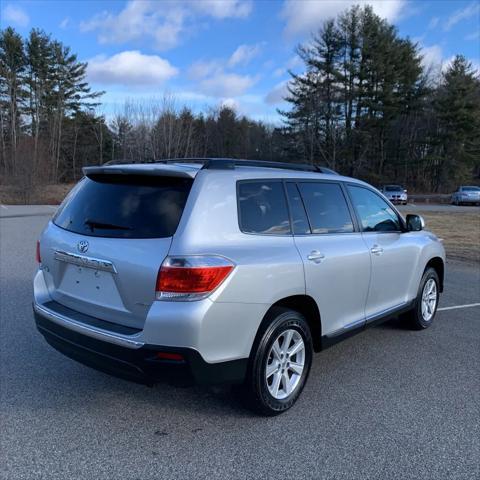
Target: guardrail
{"type": "Point", "coordinates": [430, 198]}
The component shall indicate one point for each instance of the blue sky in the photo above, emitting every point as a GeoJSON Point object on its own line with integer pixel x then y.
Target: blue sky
{"type": "Point", "coordinates": [209, 52]}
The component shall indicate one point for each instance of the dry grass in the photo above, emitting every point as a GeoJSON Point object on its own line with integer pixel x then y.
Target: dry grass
{"type": "Point", "coordinates": [460, 233]}
{"type": "Point", "coordinates": [41, 195]}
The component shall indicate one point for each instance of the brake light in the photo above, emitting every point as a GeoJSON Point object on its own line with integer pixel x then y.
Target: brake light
{"type": "Point", "coordinates": [37, 254]}
{"type": "Point", "coordinates": [191, 277]}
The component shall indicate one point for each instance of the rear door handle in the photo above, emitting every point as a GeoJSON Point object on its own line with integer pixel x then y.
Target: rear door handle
{"type": "Point", "coordinates": [316, 256]}
{"type": "Point", "coordinates": [376, 250]}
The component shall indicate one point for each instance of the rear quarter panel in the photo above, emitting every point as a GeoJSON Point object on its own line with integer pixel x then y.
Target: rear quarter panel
{"type": "Point", "coordinates": [267, 267]}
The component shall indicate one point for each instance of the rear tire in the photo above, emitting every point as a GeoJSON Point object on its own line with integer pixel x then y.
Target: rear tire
{"type": "Point", "coordinates": [422, 314]}
{"type": "Point", "coordinates": [278, 371]}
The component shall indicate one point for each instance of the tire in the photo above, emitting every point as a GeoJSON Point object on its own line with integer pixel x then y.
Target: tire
{"type": "Point", "coordinates": [279, 325]}
{"type": "Point", "coordinates": [422, 314]}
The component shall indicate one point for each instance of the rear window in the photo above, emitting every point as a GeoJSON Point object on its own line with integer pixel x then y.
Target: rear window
{"type": "Point", "coordinates": [263, 208]}
{"type": "Point", "coordinates": [120, 206]}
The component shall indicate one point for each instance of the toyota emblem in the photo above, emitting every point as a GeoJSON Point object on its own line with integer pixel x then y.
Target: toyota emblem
{"type": "Point", "coordinates": [82, 246]}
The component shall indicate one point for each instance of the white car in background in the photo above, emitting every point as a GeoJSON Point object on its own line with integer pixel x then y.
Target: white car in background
{"type": "Point", "coordinates": [466, 195]}
{"type": "Point", "coordinates": [395, 193]}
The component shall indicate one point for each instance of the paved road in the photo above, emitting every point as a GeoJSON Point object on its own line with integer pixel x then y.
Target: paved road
{"type": "Point", "coordinates": [429, 207]}
{"type": "Point", "coordinates": [387, 404]}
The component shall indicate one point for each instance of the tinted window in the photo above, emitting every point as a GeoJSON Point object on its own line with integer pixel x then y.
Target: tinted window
{"type": "Point", "coordinates": [375, 214]}
{"type": "Point", "coordinates": [297, 210]}
{"type": "Point", "coordinates": [326, 207]}
{"type": "Point", "coordinates": [263, 208]}
{"type": "Point", "coordinates": [123, 206]}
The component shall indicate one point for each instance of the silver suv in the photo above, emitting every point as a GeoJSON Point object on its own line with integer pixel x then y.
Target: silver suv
{"type": "Point", "coordinates": [227, 271]}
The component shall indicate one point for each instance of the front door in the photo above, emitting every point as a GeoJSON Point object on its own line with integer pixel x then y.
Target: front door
{"type": "Point", "coordinates": [393, 255]}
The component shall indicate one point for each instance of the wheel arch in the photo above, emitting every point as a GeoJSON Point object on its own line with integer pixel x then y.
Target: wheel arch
{"type": "Point", "coordinates": [438, 265]}
{"type": "Point", "coordinates": [307, 306]}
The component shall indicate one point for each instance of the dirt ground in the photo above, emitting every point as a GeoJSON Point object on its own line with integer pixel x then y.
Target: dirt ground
{"type": "Point", "coordinates": [460, 233]}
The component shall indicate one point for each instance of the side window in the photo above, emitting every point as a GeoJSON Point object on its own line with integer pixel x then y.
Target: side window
{"type": "Point", "coordinates": [297, 210]}
{"type": "Point", "coordinates": [375, 214]}
{"type": "Point", "coordinates": [263, 208]}
{"type": "Point", "coordinates": [326, 207]}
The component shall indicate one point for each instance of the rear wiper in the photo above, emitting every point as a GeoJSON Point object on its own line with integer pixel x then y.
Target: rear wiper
{"type": "Point", "coordinates": [104, 226]}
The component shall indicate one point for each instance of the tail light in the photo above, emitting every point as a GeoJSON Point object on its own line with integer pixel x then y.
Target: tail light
{"type": "Point", "coordinates": [37, 254]}
{"type": "Point", "coordinates": [191, 277]}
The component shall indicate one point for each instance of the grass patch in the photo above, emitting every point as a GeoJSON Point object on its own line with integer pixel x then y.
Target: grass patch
{"type": "Point", "coordinates": [38, 195]}
{"type": "Point", "coordinates": [460, 233]}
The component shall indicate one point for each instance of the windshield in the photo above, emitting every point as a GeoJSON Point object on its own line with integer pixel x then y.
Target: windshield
{"type": "Point", "coordinates": [120, 206]}
{"type": "Point", "coordinates": [471, 189]}
{"type": "Point", "coordinates": [393, 188]}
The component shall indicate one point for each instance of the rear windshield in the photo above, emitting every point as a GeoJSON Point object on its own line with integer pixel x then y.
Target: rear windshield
{"type": "Point", "coordinates": [120, 206]}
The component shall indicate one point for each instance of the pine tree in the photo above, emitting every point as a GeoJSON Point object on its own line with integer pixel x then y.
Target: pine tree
{"type": "Point", "coordinates": [12, 94]}
{"type": "Point", "coordinates": [457, 106]}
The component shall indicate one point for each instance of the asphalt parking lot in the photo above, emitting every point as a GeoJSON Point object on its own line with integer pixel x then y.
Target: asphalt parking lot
{"type": "Point", "coordinates": [389, 403]}
{"type": "Point", "coordinates": [435, 207]}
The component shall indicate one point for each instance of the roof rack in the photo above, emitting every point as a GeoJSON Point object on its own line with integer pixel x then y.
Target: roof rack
{"type": "Point", "coordinates": [231, 163]}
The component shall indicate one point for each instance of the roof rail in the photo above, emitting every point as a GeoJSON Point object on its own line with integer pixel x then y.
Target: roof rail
{"type": "Point", "coordinates": [231, 163]}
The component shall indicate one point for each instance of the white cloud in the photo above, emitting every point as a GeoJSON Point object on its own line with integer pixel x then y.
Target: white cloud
{"type": "Point", "coordinates": [432, 56]}
{"type": "Point", "coordinates": [215, 77]}
{"type": "Point", "coordinates": [204, 68]}
{"type": "Point", "coordinates": [244, 54]}
{"type": "Point", "coordinates": [471, 10]}
{"type": "Point", "coordinates": [130, 68]}
{"type": "Point", "coordinates": [473, 36]}
{"type": "Point", "coordinates": [277, 94]}
{"type": "Point", "coordinates": [305, 16]}
{"type": "Point", "coordinates": [291, 64]}
{"type": "Point", "coordinates": [223, 8]}
{"type": "Point", "coordinates": [226, 85]}
{"type": "Point", "coordinates": [16, 15]}
{"type": "Point", "coordinates": [165, 22]}
{"type": "Point", "coordinates": [64, 23]}
{"type": "Point", "coordinates": [230, 103]}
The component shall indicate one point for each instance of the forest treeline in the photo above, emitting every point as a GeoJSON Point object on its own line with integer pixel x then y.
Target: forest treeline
{"type": "Point", "coordinates": [364, 105]}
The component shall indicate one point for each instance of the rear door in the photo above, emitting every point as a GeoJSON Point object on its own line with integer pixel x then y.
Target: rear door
{"type": "Point", "coordinates": [336, 260]}
{"type": "Point", "coordinates": [393, 254]}
{"type": "Point", "coordinates": [102, 251]}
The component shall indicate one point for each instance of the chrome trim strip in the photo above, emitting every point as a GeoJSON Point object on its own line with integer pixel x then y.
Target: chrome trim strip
{"type": "Point", "coordinates": [367, 320]}
{"type": "Point", "coordinates": [347, 327]}
{"type": "Point", "coordinates": [93, 332]}
{"type": "Point", "coordinates": [83, 261]}
{"type": "Point", "coordinates": [371, 318]}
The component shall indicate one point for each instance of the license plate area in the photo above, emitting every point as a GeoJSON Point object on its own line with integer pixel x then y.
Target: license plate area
{"type": "Point", "coordinates": [90, 285]}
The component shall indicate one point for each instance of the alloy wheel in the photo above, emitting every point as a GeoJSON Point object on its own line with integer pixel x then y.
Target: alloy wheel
{"type": "Point", "coordinates": [429, 299]}
{"type": "Point", "coordinates": [285, 364]}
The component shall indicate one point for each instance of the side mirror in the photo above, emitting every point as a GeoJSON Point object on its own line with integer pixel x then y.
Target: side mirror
{"type": "Point", "coordinates": [405, 191]}
{"type": "Point", "coordinates": [415, 223]}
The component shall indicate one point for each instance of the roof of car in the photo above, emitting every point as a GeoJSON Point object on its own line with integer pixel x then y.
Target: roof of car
{"type": "Point", "coordinates": [189, 168]}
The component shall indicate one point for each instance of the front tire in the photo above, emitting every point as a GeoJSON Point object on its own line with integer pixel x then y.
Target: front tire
{"type": "Point", "coordinates": [280, 362]}
{"type": "Point", "coordinates": [426, 303]}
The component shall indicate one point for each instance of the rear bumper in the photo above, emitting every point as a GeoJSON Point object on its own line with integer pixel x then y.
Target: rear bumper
{"type": "Point", "coordinates": [139, 364]}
